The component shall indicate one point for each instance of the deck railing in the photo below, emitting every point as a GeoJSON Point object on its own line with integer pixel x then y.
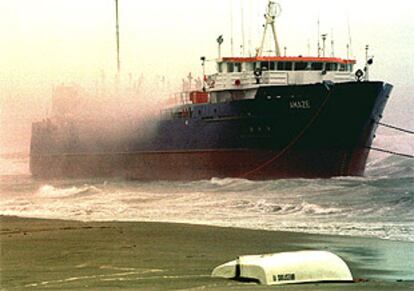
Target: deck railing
{"type": "Point", "coordinates": [248, 79]}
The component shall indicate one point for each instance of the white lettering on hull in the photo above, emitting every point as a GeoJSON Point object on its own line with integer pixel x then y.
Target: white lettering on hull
{"type": "Point", "coordinates": [303, 104]}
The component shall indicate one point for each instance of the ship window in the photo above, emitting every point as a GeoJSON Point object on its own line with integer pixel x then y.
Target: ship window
{"type": "Point", "coordinates": [264, 66]}
{"type": "Point", "coordinates": [342, 67]}
{"type": "Point", "coordinates": [230, 67]}
{"type": "Point", "coordinates": [301, 66]}
{"type": "Point", "coordinates": [237, 67]}
{"type": "Point", "coordinates": [331, 66]}
{"type": "Point", "coordinates": [268, 66]}
{"type": "Point", "coordinates": [350, 67]}
{"type": "Point", "coordinates": [220, 67]}
{"type": "Point", "coordinates": [284, 66]}
{"type": "Point", "coordinates": [280, 66]}
{"type": "Point", "coordinates": [317, 66]}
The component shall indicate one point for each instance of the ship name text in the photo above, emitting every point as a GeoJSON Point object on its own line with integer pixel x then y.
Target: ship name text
{"type": "Point", "coordinates": [303, 104]}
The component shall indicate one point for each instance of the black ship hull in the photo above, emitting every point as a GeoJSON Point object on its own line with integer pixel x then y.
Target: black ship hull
{"type": "Point", "coordinates": [309, 131]}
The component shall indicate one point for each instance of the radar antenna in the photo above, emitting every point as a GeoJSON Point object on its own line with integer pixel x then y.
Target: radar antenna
{"type": "Point", "coordinates": [273, 11]}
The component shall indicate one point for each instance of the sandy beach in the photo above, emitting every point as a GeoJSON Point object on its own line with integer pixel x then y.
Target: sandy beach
{"type": "Point", "coordinates": [55, 254]}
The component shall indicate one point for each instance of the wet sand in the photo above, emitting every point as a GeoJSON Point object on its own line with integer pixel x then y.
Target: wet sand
{"type": "Point", "coordinates": [54, 254]}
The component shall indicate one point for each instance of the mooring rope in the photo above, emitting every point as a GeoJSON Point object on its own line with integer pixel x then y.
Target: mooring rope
{"type": "Point", "coordinates": [302, 132]}
{"type": "Point", "coordinates": [395, 127]}
{"type": "Point", "coordinates": [391, 152]}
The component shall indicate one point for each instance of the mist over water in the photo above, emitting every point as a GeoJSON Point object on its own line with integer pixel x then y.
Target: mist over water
{"type": "Point", "coordinates": [105, 111]}
{"type": "Point", "coordinates": [378, 205]}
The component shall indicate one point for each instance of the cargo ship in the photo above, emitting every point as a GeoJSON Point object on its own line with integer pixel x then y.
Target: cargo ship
{"type": "Point", "coordinates": [258, 117]}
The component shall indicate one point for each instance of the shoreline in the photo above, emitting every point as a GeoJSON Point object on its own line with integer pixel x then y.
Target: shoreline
{"type": "Point", "coordinates": [242, 228]}
{"type": "Point", "coordinates": [39, 253]}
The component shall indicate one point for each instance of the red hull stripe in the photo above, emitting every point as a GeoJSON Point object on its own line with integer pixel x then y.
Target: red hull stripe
{"type": "Point", "coordinates": [203, 164]}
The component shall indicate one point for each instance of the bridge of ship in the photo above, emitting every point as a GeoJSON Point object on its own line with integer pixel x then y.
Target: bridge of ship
{"type": "Point", "coordinates": [238, 78]}
{"type": "Point", "coordinates": [244, 72]}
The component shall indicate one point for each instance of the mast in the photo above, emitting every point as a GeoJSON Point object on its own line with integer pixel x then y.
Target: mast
{"type": "Point", "coordinates": [324, 36]}
{"type": "Point", "coordinates": [243, 50]}
{"type": "Point", "coordinates": [368, 62]}
{"type": "Point", "coordinates": [231, 28]}
{"type": "Point", "coordinates": [273, 10]}
{"type": "Point", "coordinates": [349, 45]}
{"type": "Point", "coordinates": [319, 38]}
{"type": "Point", "coordinates": [220, 41]}
{"type": "Point", "coordinates": [250, 28]}
{"type": "Point", "coordinates": [117, 38]}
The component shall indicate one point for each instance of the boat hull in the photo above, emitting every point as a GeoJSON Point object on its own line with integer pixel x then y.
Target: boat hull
{"type": "Point", "coordinates": [199, 165]}
{"type": "Point", "coordinates": [310, 131]}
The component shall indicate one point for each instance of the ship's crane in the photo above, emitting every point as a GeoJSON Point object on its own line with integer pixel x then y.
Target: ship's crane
{"type": "Point", "coordinates": [273, 11]}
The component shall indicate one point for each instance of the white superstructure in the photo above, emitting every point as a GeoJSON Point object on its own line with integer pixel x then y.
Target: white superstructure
{"type": "Point", "coordinates": [252, 72]}
{"type": "Point", "coordinates": [248, 73]}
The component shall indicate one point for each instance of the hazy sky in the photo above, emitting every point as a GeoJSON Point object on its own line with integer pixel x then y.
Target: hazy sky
{"type": "Point", "coordinates": [46, 42]}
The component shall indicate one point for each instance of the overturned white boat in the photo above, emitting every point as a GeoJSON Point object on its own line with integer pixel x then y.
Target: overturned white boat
{"type": "Point", "coordinates": [287, 268]}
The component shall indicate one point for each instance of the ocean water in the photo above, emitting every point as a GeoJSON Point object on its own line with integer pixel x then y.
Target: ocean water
{"type": "Point", "coordinates": [380, 205]}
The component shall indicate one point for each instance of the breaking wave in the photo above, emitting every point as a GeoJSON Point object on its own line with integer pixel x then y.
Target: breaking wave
{"type": "Point", "coordinates": [48, 191]}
